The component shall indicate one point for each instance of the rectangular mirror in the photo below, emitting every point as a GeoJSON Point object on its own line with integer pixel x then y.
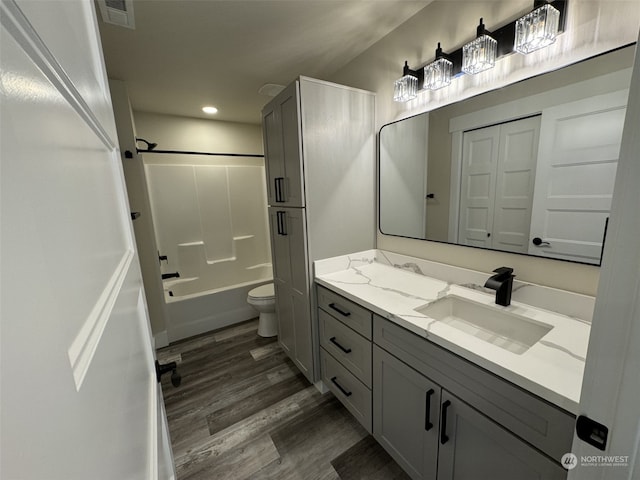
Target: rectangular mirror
{"type": "Point", "coordinates": [528, 168]}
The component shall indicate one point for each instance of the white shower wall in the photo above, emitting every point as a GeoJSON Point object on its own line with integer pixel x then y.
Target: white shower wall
{"type": "Point", "coordinates": [210, 220]}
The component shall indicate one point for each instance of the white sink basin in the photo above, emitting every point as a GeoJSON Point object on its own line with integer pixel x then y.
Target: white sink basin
{"type": "Point", "coordinates": [494, 325]}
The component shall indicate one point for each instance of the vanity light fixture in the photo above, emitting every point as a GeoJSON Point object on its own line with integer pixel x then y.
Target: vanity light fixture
{"type": "Point", "coordinates": [438, 73]}
{"type": "Point", "coordinates": [406, 87]}
{"type": "Point", "coordinates": [479, 54]}
{"type": "Point", "coordinates": [530, 32]}
{"type": "Point", "coordinates": [537, 29]}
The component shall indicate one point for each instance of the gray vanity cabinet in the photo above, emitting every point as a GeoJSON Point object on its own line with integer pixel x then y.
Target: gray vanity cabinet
{"type": "Point", "coordinates": [434, 434]}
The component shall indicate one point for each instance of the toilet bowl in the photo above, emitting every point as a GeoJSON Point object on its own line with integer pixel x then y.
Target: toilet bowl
{"type": "Point", "coordinates": [263, 299]}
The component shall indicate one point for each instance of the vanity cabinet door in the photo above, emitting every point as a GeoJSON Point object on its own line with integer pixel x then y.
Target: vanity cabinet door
{"type": "Point", "coordinates": [473, 447]}
{"type": "Point", "coordinates": [405, 415]}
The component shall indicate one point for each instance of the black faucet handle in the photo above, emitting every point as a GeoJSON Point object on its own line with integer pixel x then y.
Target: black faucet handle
{"type": "Point", "coordinates": [504, 271]}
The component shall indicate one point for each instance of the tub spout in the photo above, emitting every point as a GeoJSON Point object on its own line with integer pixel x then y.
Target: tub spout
{"type": "Point", "coordinates": [170, 275]}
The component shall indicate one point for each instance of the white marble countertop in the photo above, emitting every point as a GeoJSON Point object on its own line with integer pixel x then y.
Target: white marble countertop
{"type": "Point", "coordinates": [393, 286]}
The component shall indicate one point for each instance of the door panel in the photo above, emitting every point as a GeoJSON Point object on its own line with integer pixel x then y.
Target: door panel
{"type": "Point", "coordinates": [479, 165]}
{"type": "Point", "coordinates": [475, 448]}
{"type": "Point", "coordinates": [291, 146]}
{"type": "Point", "coordinates": [579, 148]}
{"type": "Point", "coordinates": [401, 398]}
{"type": "Point", "coordinates": [514, 184]}
{"type": "Point", "coordinates": [76, 358]}
{"type": "Point", "coordinates": [279, 246]}
{"type": "Point", "coordinates": [272, 139]}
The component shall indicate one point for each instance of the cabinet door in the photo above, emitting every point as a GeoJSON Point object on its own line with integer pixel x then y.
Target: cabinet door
{"type": "Point", "coordinates": [280, 255]}
{"type": "Point", "coordinates": [297, 235]}
{"type": "Point", "coordinates": [293, 185]}
{"type": "Point", "coordinates": [274, 158]}
{"type": "Point", "coordinates": [282, 280]}
{"type": "Point", "coordinates": [405, 415]}
{"type": "Point", "coordinates": [291, 280]}
{"type": "Point", "coordinates": [473, 447]}
{"type": "Point", "coordinates": [282, 147]}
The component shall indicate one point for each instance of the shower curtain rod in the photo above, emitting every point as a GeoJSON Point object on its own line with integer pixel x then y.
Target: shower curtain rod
{"type": "Point", "coordinates": [184, 152]}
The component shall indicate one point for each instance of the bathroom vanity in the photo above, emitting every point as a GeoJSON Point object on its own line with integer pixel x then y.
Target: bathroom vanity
{"type": "Point", "coordinates": [450, 384]}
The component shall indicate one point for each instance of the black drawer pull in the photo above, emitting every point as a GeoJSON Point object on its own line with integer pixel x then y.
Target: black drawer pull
{"type": "Point", "coordinates": [339, 310]}
{"type": "Point", "coordinates": [427, 410]}
{"type": "Point", "coordinates": [443, 431]}
{"type": "Point", "coordinates": [346, 393]}
{"type": "Point", "coordinates": [345, 350]}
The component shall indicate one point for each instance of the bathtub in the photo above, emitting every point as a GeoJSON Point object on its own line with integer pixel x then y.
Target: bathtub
{"type": "Point", "coordinates": [199, 305]}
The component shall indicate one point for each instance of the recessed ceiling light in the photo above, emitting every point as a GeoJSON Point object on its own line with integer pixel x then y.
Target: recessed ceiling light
{"type": "Point", "coordinates": [210, 110]}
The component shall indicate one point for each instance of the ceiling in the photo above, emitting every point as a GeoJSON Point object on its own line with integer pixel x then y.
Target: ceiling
{"type": "Point", "coordinates": [185, 54]}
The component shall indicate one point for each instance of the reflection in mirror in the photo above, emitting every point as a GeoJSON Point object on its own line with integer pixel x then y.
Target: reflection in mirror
{"type": "Point", "coordinates": [528, 168]}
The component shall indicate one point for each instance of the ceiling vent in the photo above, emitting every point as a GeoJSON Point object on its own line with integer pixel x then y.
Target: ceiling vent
{"type": "Point", "coordinates": [117, 12]}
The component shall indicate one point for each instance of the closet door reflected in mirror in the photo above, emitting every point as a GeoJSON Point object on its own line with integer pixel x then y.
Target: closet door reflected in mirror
{"type": "Point", "coordinates": [528, 168]}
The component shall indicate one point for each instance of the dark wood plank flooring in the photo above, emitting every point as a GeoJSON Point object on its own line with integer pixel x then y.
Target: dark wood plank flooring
{"type": "Point", "coordinates": [243, 411]}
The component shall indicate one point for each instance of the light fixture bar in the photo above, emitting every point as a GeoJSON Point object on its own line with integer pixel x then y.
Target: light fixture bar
{"type": "Point", "coordinates": [504, 37]}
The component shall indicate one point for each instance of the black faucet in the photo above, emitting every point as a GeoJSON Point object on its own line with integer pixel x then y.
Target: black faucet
{"type": "Point", "coordinates": [170, 275]}
{"type": "Point", "coordinates": [502, 283]}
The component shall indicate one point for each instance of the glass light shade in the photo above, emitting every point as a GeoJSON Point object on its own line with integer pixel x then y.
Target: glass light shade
{"type": "Point", "coordinates": [438, 74]}
{"type": "Point", "coordinates": [479, 54]}
{"type": "Point", "coordinates": [536, 29]}
{"type": "Point", "coordinates": [405, 89]}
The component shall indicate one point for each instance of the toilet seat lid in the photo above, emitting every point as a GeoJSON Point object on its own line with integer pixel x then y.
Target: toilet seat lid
{"type": "Point", "coordinates": [263, 291]}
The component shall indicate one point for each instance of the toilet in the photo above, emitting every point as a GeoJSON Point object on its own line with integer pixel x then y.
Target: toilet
{"type": "Point", "coordinates": [263, 299]}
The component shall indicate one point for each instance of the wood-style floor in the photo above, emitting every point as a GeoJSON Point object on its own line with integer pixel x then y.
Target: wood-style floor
{"type": "Point", "coordinates": [243, 411]}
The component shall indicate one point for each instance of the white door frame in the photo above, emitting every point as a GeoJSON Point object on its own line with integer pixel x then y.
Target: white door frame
{"type": "Point", "coordinates": [611, 383]}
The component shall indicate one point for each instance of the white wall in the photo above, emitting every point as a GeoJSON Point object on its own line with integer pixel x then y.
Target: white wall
{"type": "Point", "coordinates": [592, 27]}
{"type": "Point", "coordinates": [196, 134]}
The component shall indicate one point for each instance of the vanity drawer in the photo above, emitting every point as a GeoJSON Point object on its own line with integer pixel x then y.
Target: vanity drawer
{"type": "Point", "coordinates": [543, 425]}
{"type": "Point", "coordinates": [348, 312]}
{"type": "Point", "coordinates": [351, 349]}
{"type": "Point", "coordinates": [353, 394]}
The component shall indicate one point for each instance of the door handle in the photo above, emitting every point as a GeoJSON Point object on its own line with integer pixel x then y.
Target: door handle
{"type": "Point", "coordinates": [282, 223]}
{"type": "Point", "coordinates": [279, 190]}
{"type": "Point", "coordinates": [444, 438]}
{"type": "Point", "coordinates": [538, 242]}
{"type": "Point", "coordinates": [427, 414]}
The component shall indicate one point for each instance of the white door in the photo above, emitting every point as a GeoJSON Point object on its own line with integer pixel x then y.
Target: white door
{"type": "Point", "coordinates": [498, 171]}
{"type": "Point", "coordinates": [515, 179]}
{"type": "Point", "coordinates": [611, 383]}
{"type": "Point", "coordinates": [478, 185]}
{"type": "Point", "coordinates": [578, 155]}
{"type": "Point", "coordinates": [79, 398]}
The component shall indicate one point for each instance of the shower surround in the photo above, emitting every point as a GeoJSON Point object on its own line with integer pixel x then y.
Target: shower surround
{"type": "Point", "coordinates": [210, 221]}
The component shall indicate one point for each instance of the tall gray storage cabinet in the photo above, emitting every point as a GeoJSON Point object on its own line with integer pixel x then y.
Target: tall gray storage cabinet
{"type": "Point", "coordinates": [319, 144]}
